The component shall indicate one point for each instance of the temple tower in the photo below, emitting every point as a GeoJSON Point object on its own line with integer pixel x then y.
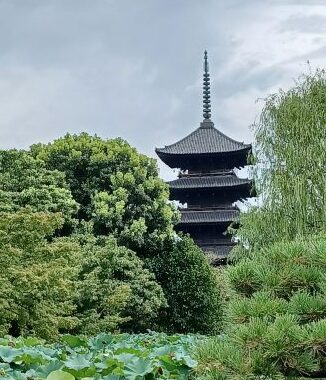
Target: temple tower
{"type": "Point", "coordinates": [207, 183]}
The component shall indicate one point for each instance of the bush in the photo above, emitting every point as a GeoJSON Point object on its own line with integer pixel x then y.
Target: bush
{"type": "Point", "coordinates": [276, 319]}
{"type": "Point", "coordinates": [116, 290]}
{"type": "Point", "coordinates": [191, 288]}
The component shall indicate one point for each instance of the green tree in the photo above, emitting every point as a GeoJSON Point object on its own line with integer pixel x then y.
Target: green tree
{"type": "Point", "coordinates": [116, 211]}
{"type": "Point", "coordinates": [276, 319]}
{"type": "Point", "coordinates": [115, 289]}
{"type": "Point", "coordinates": [290, 165]}
{"type": "Point", "coordinates": [117, 188]}
{"type": "Point", "coordinates": [25, 182]}
{"type": "Point", "coordinates": [38, 277]}
{"type": "Point", "coordinates": [190, 286]}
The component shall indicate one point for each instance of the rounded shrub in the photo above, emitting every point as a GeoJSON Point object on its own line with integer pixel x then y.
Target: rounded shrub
{"type": "Point", "coordinates": [190, 286]}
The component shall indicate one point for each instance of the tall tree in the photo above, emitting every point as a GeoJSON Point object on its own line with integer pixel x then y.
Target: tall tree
{"type": "Point", "coordinates": [290, 164]}
{"type": "Point", "coordinates": [117, 188]}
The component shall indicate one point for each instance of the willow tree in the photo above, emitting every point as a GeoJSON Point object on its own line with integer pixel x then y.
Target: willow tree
{"type": "Point", "coordinates": [290, 164]}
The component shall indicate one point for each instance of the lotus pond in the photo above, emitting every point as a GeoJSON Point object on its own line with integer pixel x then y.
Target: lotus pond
{"type": "Point", "coordinates": [106, 356]}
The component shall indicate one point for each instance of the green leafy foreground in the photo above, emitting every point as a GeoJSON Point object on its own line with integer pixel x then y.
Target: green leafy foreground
{"type": "Point", "coordinates": [106, 356]}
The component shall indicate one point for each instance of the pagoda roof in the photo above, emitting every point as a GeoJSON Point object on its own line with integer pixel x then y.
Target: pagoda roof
{"type": "Point", "coordinates": [204, 140]}
{"type": "Point", "coordinates": [208, 216]}
{"type": "Point", "coordinates": [208, 182]}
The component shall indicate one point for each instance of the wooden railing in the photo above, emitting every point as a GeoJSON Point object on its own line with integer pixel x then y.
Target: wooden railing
{"type": "Point", "coordinates": [221, 172]}
{"type": "Point", "coordinates": [222, 242]}
{"type": "Point", "coordinates": [209, 208]}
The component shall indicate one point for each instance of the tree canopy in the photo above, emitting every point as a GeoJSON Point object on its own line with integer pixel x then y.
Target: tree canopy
{"type": "Point", "coordinates": [105, 206]}
{"type": "Point", "coordinates": [290, 165]}
{"type": "Point", "coordinates": [116, 188]}
{"type": "Point", "coordinates": [38, 277]}
{"type": "Point", "coordinates": [26, 182]}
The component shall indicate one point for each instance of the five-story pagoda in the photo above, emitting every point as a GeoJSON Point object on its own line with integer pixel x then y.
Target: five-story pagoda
{"type": "Point", "coordinates": [207, 182]}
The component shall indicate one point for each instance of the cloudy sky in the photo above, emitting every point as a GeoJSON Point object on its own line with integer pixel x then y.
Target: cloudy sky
{"type": "Point", "coordinates": [133, 68]}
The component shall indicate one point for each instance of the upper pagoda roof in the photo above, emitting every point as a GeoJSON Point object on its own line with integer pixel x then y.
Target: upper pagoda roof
{"type": "Point", "coordinates": [208, 182]}
{"type": "Point", "coordinates": [204, 140]}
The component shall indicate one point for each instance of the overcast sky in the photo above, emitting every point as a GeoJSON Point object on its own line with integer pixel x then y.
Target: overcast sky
{"type": "Point", "coordinates": [133, 68]}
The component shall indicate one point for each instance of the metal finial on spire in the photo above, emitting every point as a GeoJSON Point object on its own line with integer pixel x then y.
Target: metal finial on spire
{"type": "Point", "coordinates": [206, 90]}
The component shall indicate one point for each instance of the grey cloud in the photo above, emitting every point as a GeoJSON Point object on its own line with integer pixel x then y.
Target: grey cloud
{"type": "Point", "coordinates": [127, 68]}
{"type": "Point", "coordinates": [252, 76]}
{"type": "Point", "coordinates": [305, 24]}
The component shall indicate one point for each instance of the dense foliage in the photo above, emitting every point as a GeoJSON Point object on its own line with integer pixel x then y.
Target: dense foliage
{"type": "Point", "coordinates": [196, 306]}
{"type": "Point", "coordinates": [275, 322]}
{"type": "Point", "coordinates": [117, 188]}
{"type": "Point", "coordinates": [116, 289]}
{"type": "Point", "coordinates": [25, 181]}
{"type": "Point", "coordinates": [290, 165]}
{"type": "Point", "coordinates": [87, 242]}
{"type": "Point", "coordinates": [276, 316]}
{"type": "Point", "coordinates": [38, 277]}
{"type": "Point", "coordinates": [108, 357]}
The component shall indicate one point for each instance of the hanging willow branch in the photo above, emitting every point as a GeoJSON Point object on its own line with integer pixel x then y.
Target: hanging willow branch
{"type": "Point", "coordinates": [290, 164]}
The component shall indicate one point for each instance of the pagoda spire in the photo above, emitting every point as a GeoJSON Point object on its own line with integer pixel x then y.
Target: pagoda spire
{"type": "Point", "coordinates": [206, 90]}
